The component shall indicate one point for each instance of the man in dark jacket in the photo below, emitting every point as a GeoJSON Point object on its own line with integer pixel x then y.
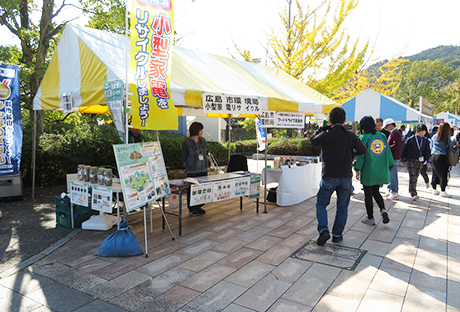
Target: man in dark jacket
{"type": "Point", "coordinates": [395, 144]}
{"type": "Point", "coordinates": [338, 147]}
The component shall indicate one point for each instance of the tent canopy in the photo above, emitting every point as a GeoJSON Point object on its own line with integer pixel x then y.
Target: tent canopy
{"type": "Point", "coordinates": [87, 57]}
{"type": "Point", "coordinates": [375, 104]}
{"type": "Point", "coordinates": [452, 119]}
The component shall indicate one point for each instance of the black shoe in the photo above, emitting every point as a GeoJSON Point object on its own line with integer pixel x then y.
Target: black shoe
{"type": "Point", "coordinates": [323, 237]}
{"type": "Point", "coordinates": [337, 239]}
{"type": "Point", "coordinates": [201, 211]}
{"type": "Point", "coordinates": [385, 217]}
{"type": "Point", "coordinates": [194, 213]}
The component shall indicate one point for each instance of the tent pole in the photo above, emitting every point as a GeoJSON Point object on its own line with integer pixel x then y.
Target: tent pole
{"type": "Point", "coordinates": [265, 172]}
{"type": "Point", "coordinates": [34, 151]}
{"type": "Point", "coordinates": [125, 104]}
{"type": "Point", "coordinates": [229, 139]}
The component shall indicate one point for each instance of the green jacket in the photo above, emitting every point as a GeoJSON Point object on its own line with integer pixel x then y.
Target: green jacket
{"type": "Point", "coordinates": [374, 166]}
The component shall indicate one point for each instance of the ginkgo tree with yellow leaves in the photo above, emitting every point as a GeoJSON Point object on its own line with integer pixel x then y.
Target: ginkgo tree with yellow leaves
{"type": "Point", "coordinates": [314, 48]}
{"type": "Point", "coordinates": [385, 79]}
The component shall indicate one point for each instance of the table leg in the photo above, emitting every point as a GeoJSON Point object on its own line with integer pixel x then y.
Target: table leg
{"type": "Point", "coordinates": [118, 212]}
{"type": "Point", "coordinates": [241, 202]}
{"type": "Point", "coordinates": [257, 205]}
{"type": "Point", "coordinates": [145, 234]}
{"type": "Point", "coordinates": [163, 214]}
{"type": "Point", "coordinates": [71, 216]}
{"type": "Point", "coordinates": [180, 212]}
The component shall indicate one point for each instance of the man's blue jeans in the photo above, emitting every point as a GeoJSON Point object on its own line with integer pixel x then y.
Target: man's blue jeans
{"type": "Point", "coordinates": [327, 186]}
{"type": "Point", "coordinates": [393, 186]}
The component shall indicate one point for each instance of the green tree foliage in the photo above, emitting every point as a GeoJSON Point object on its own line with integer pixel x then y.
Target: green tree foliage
{"type": "Point", "coordinates": [106, 15]}
{"type": "Point", "coordinates": [448, 55]}
{"type": "Point", "coordinates": [313, 44]}
{"type": "Point", "coordinates": [427, 78]}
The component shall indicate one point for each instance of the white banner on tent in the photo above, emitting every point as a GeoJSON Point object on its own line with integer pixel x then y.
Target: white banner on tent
{"type": "Point", "coordinates": [270, 119]}
{"type": "Point", "coordinates": [221, 103]}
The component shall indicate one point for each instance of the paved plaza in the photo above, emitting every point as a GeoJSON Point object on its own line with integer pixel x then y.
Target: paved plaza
{"type": "Point", "coordinates": [239, 261]}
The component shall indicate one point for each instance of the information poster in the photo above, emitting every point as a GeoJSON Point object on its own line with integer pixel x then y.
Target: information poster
{"type": "Point", "coordinates": [223, 190]}
{"type": "Point", "coordinates": [113, 93]}
{"type": "Point", "coordinates": [142, 171]}
{"type": "Point", "coordinates": [254, 188]}
{"type": "Point", "coordinates": [79, 194]}
{"type": "Point", "coordinates": [102, 199]}
{"type": "Point", "coordinates": [271, 119]}
{"type": "Point", "coordinates": [241, 186]}
{"type": "Point", "coordinates": [201, 194]}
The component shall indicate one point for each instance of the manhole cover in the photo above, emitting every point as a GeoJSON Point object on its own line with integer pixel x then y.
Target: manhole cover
{"type": "Point", "coordinates": [333, 255]}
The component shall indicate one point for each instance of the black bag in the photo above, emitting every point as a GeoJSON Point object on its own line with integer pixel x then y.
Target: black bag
{"type": "Point", "coordinates": [271, 197]}
{"type": "Point", "coordinates": [452, 155]}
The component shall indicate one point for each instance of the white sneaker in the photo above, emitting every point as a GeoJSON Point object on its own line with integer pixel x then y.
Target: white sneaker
{"type": "Point", "coordinates": [387, 194]}
{"type": "Point", "coordinates": [435, 192]}
{"type": "Point", "coordinates": [415, 197]}
{"type": "Point", "coordinates": [444, 194]}
{"type": "Point", "coordinates": [393, 196]}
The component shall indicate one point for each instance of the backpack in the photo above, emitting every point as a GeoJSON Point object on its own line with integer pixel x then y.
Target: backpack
{"type": "Point", "coordinates": [452, 156]}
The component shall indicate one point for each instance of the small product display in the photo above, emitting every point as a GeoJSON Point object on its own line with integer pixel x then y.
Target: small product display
{"type": "Point", "coordinates": [108, 176]}
{"type": "Point", "coordinates": [100, 176]}
{"type": "Point", "coordinates": [80, 173]}
{"type": "Point", "coordinates": [86, 173]}
{"type": "Point", "coordinates": [93, 174]}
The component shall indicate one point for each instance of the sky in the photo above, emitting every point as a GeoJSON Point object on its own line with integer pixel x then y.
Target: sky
{"type": "Point", "coordinates": [391, 26]}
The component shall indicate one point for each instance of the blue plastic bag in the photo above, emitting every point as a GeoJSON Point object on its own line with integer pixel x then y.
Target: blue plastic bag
{"type": "Point", "coordinates": [122, 243]}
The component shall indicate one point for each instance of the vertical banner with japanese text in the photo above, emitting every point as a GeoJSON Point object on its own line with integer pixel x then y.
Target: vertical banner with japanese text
{"type": "Point", "coordinates": [152, 36]}
{"type": "Point", "coordinates": [10, 121]}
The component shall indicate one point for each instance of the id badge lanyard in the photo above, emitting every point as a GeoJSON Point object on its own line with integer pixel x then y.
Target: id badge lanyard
{"type": "Point", "coordinates": [420, 158]}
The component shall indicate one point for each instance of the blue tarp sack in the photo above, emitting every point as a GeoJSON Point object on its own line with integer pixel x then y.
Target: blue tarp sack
{"type": "Point", "coordinates": [122, 243]}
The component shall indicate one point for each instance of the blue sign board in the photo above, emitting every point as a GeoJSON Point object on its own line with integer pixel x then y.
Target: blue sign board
{"type": "Point", "coordinates": [10, 121]}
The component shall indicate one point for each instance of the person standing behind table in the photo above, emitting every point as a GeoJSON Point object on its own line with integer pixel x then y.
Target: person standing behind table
{"type": "Point", "coordinates": [416, 153]}
{"type": "Point", "coordinates": [134, 136]}
{"type": "Point", "coordinates": [380, 128]}
{"type": "Point", "coordinates": [395, 143]}
{"type": "Point", "coordinates": [338, 146]}
{"type": "Point", "coordinates": [423, 171]}
{"type": "Point", "coordinates": [440, 145]}
{"type": "Point", "coordinates": [373, 168]}
{"type": "Point", "coordinates": [196, 162]}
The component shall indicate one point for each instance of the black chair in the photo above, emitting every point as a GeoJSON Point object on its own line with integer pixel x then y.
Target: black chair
{"type": "Point", "coordinates": [237, 163]}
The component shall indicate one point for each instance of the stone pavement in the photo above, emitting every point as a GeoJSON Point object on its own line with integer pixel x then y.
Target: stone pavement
{"type": "Point", "coordinates": [234, 261]}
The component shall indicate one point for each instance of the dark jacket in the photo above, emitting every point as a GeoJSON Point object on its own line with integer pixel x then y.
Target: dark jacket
{"type": "Point", "coordinates": [395, 143]}
{"type": "Point", "coordinates": [337, 150]}
{"type": "Point", "coordinates": [190, 156]}
{"type": "Point", "coordinates": [411, 149]}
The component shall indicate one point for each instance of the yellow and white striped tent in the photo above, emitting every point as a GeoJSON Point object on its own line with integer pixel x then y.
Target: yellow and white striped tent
{"type": "Point", "coordinates": [87, 57]}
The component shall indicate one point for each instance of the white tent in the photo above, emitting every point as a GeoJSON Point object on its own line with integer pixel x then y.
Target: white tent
{"type": "Point", "coordinates": [452, 119]}
{"type": "Point", "coordinates": [375, 104]}
{"type": "Point", "coordinates": [87, 57]}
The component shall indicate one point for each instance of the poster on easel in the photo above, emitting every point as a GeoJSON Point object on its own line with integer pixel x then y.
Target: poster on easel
{"type": "Point", "coordinates": [142, 171]}
{"type": "Point", "coordinates": [201, 194]}
{"type": "Point", "coordinates": [79, 194]}
{"type": "Point", "coordinates": [223, 190]}
{"type": "Point", "coordinates": [102, 199]}
{"type": "Point", "coordinates": [254, 188]}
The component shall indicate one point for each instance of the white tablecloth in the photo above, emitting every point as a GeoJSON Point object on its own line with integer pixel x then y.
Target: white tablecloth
{"type": "Point", "coordinates": [296, 184]}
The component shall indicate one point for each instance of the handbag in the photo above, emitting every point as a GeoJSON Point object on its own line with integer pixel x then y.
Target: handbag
{"type": "Point", "coordinates": [452, 155]}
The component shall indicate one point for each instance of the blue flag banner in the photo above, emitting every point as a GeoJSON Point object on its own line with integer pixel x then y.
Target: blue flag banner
{"type": "Point", "coordinates": [10, 121]}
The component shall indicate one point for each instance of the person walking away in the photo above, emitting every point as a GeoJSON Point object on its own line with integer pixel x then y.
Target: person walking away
{"type": "Point", "coordinates": [441, 143]}
{"type": "Point", "coordinates": [373, 168]}
{"type": "Point", "coordinates": [380, 128]}
{"type": "Point", "coordinates": [193, 154]}
{"type": "Point", "coordinates": [423, 171]}
{"type": "Point", "coordinates": [395, 143]}
{"type": "Point", "coordinates": [416, 153]}
{"type": "Point", "coordinates": [338, 147]}
{"type": "Point", "coordinates": [434, 130]}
